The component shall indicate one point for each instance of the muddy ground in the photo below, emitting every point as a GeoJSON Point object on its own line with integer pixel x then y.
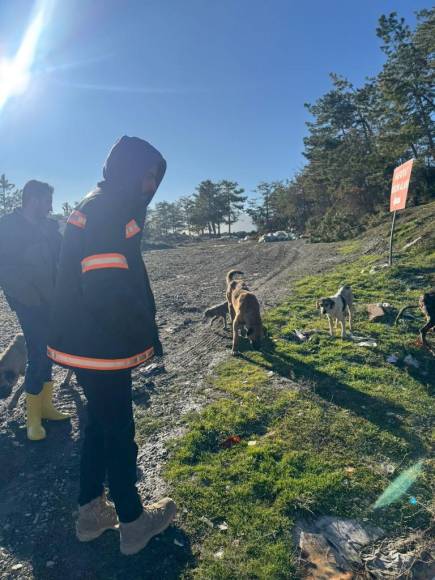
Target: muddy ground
{"type": "Point", "coordinates": [39, 481]}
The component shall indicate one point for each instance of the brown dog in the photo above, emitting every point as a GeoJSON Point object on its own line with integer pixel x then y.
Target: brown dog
{"type": "Point", "coordinates": [244, 310]}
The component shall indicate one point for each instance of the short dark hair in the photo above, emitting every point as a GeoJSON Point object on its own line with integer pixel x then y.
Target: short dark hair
{"type": "Point", "coordinates": [35, 188]}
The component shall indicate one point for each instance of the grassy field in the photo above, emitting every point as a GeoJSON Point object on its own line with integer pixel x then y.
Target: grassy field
{"type": "Point", "coordinates": [324, 426]}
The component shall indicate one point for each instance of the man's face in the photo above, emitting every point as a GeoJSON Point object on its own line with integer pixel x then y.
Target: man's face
{"type": "Point", "coordinates": [149, 185]}
{"type": "Point", "coordinates": [43, 206]}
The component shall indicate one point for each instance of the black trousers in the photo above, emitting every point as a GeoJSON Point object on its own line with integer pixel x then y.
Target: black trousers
{"type": "Point", "coordinates": [109, 450]}
{"type": "Point", "coordinates": [34, 321]}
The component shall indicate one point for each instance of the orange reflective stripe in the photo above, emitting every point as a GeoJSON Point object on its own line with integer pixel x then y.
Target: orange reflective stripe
{"type": "Point", "coordinates": [99, 261]}
{"type": "Point", "coordinates": [131, 229]}
{"type": "Point", "coordinates": [78, 219]}
{"type": "Point", "coordinates": [99, 364]}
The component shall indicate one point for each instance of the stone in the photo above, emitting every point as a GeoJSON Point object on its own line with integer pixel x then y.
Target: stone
{"type": "Point", "coordinates": [348, 536]}
{"type": "Point", "coordinates": [376, 312]}
{"type": "Point", "coordinates": [334, 545]}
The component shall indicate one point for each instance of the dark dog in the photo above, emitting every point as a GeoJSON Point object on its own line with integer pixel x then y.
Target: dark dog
{"type": "Point", "coordinates": [335, 308]}
{"type": "Point", "coordinates": [244, 311]}
{"type": "Point", "coordinates": [218, 311]}
{"type": "Point", "coordinates": [12, 365]}
{"type": "Point", "coordinates": [426, 303]}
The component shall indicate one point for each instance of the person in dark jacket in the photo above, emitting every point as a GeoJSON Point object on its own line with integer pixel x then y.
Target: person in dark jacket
{"type": "Point", "coordinates": [29, 252]}
{"type": "Point", "coordinates": [102, 326]}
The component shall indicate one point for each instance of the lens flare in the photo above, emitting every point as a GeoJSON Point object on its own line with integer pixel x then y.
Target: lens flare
{"type": "Point", "coordinates": [399, 486]}
{"type": "Point", "coordinates": [15, 73]}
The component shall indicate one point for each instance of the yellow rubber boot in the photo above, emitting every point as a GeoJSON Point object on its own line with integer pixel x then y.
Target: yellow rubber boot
{"type": "Point", "coordinates": [35, 431]}
{"type": "Point", "coordinates": [49, 411]}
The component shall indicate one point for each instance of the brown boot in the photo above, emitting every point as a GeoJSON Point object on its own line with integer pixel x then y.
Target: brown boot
{"type": "Point", "coordinates": [95, 518]}
{"type": "Point", "coordinates": [152, 521]}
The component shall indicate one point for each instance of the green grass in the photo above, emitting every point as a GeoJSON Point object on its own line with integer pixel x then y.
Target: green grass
{"type": "Point", "coordinates": [349, 247]}
{"type": "Point", "coordinates": [322, 439]}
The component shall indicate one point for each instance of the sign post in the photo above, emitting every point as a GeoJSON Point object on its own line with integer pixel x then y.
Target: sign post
{"type": "Point", "coordinates": [399, 193]}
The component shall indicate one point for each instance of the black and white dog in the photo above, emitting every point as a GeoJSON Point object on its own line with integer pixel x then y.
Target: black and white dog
{"type": "Point", "coordinates": [335, 309]}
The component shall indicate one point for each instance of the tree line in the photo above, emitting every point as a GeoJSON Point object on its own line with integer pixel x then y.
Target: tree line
{"type": "Point", "coordinates": [356, 137]}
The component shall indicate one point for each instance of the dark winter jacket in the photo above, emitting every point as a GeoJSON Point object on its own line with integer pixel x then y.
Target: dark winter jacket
{"type": "Point", "coordinates": [29, 253]}
{"type": "Point", "coordinates": [103, 315]}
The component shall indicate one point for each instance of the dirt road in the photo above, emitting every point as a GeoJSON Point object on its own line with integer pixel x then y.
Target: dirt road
{"type": "Point", "coordinates": [38, 481]}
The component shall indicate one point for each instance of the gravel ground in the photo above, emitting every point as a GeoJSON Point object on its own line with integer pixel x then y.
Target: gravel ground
{"type": "Point", "coordinates": [38, 481]}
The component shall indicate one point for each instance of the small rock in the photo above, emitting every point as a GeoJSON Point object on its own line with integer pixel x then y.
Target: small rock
{"type": "Point", "coordinates": [252, 443]}
{"type": "Point", "coordinates": [219, 554]}
{"type": "Point", "coordinates": [270, 373]}
{"type": "Point", "coordinates": [16, 567]}
{"type": "Point", "coordinates": [206, 521]}
{"type": "Point", "coordinates": [386, 468]}
{"type": "Point", "coordinates": [223, 526]}
{"type": "Point", "coordinates": [368, 343]}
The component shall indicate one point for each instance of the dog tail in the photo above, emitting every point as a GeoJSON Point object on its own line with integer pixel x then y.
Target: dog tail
{"type": "Point", "coordinates": [233, 273]}
{"type": "Point", "coordinates": [403, 310]}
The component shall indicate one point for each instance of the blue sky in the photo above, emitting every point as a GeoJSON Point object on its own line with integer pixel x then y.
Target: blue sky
{"type": "Point", "coordinates": [217, 85]}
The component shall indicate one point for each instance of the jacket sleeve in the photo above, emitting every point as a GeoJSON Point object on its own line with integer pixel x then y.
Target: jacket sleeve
{"type": "Point", "coordinates": [158, 348]}
{"type": "Point", "coordinates": [108, 284]}
{"type": "Point", "coordinates": [16, 277]}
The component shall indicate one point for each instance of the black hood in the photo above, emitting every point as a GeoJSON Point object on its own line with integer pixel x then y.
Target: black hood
{"type": "Point", "coordinates": [128, 162]}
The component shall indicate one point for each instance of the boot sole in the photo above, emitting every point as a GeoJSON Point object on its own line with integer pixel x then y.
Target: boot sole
{"type": "Point", "coordinates": [88, 537]}
{"type": "Point", "coordinates": [146, 539]}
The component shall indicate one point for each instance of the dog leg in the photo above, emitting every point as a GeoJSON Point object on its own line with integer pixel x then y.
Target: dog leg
{"type": "Point", "coordinates": [236, 325]}
{"type": "Point", "coordinates": [331, 331]}
{"type": "Point", "coordinates": [231, 311]}
{"type": "Point", "coordinates": [350, 310]}
{"type": "Point", "coordinates": [423, 331]}
{"type": "Point", "coordinates": [343, 327]}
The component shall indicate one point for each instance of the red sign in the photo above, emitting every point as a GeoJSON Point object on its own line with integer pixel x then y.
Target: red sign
{"type": "Point", "coordinates": [399, 188]}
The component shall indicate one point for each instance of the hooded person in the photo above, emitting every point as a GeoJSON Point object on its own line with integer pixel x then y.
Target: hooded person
{"type": "Point", "coordinates": [102, 326]}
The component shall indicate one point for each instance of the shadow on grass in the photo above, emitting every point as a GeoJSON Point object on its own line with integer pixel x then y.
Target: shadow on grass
{"type": "Point", "coordinates": [384, 414]}
{"type": "Point", "coordinates": [416, 275]}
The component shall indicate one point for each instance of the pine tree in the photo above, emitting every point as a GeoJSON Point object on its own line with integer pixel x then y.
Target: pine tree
{"type": "Point", "coordinates": [10, 196]}
{"type": "Point", "coordinates": [232, 201]}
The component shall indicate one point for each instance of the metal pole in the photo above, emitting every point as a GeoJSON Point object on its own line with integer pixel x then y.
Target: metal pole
{"type": "Point", "coordinates": [390, 258]}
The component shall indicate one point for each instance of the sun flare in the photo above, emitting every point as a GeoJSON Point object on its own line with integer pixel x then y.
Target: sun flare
{"type": "Point", "coordinates": [15, 73]}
